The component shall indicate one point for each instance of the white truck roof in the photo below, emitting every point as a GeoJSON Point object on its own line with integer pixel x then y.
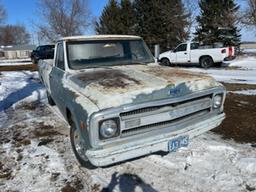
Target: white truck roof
{"type": "Point", "coordinates": [99, 37]}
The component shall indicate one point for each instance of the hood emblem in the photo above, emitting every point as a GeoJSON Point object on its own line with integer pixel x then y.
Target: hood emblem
{"type": "Point", "coordinates": [174, 91]}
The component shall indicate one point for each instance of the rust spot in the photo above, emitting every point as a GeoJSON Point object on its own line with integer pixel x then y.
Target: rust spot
{"type": "Point", "coordinates": [109, 78]}
{"type": "Point", "coordinates": [82, 125]}
{"type": "Point", "coordinates": [168, 73]}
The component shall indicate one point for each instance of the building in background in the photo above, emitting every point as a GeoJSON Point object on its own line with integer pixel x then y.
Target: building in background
{"type": "Point", "coordinates": [16, 51]}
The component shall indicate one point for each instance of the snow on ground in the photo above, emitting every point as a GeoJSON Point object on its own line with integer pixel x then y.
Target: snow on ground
{"type": "Point", "coordinates": [241, 70]}
{"type": "Point", "coordinates": [14, 86]}
{"type": "Point", "coordinates": [245, 92]}
{"type": "Point", "coordinates": [244, 63]}
{"type": "Point", "coordinates": [15, 61]}
{"type": "Point", "coordinates": [249, 50]}
{"type": "Point", "coordinates": [36, 154]}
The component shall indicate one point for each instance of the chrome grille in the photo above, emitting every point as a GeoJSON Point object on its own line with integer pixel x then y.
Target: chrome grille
{"type": "Point", "coordinates": [156, 117]}
{"type": "Point", "coordinates": [156, 109]}
{"type": "Point", "coordinates": [151, 127]}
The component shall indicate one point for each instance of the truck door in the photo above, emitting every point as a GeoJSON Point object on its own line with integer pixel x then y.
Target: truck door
{"type": "Point", "coordinates": [194, 53]}
{"type": "Point", "coordinates": [56, 77]}
{"type": "Point", "coordinates": [181, 53]}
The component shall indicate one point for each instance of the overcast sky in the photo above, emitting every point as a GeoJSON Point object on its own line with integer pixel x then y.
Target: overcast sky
{"type": "Point", "coordinates": [24, 12]}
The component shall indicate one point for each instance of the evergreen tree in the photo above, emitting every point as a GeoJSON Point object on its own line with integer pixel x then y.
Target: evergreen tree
{"type": "Point", "coordinates": [157, 21]}
{"type": "Point", "coordinates": [117, 18]}
{"type": "Point", "coordinates": [109, 21]}
{"type": "Point", "coordinates": [175, 20]}
{"type": "Point", "coordinates": [217, 22]}
{"type": "Point", "coordinates": [127, 16]}
{"type": "Point", "coordinates": [161, 22]}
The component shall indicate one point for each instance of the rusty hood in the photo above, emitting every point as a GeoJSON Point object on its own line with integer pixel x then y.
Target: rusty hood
{"type": "Point", "coordinates": [119, 85]}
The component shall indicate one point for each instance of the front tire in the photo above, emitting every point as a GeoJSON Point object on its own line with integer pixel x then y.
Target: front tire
{"type": "Point", "coordinates": [165, 62]}
{"type": "Point", "coordinates": [78, 147]}
{"type": "Point", "coordinates": [206, 62]}
{"type": "Point", "coordinates": [34, 61]}
{"type": "Point", "coordinates": [50, 100]}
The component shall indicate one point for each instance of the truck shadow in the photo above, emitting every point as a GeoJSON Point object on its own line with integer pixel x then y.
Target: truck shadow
{"type": "Point", "coordinates": [31, 86]}
{"type": "Point", "coordinates": [127, 182]}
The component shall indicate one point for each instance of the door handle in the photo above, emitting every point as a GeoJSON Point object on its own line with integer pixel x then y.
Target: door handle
{"type": "Point", "coordinates": [185, 53]}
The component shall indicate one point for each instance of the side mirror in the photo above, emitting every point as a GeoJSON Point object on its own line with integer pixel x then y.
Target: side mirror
{"type": "Point", "coordinates": [174, 51]}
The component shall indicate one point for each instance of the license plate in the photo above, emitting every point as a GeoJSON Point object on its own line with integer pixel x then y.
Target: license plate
{"type": "Point", "coordinates": [177, 143]}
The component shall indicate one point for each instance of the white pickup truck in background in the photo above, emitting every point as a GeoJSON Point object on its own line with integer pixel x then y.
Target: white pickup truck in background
{"type": "Point", "coordinates": [193, 53]}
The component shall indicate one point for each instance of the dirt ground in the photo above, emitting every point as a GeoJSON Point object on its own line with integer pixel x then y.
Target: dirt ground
{"type": "Point", "coordinates": [30, 67]}
{"type": "Point", "coordinates": [240, 122]}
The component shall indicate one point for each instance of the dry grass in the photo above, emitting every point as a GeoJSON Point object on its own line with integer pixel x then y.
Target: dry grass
{"type": "Point", "coordinates": [27, 67]}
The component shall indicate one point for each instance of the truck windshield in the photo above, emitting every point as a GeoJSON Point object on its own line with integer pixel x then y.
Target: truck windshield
{"type": "Point", "coordinates": [89, 54]}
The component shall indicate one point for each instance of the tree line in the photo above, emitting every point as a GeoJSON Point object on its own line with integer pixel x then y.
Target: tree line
{"type": "Point", "coordinates": [163, 22]}
{"type": "Point", "coordinates": [168, 22]}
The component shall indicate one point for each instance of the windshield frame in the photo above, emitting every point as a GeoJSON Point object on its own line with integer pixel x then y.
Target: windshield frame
{"type": "Point", "coordinates": [121, 63]}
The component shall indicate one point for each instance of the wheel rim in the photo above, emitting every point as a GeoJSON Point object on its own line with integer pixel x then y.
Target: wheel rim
{"type": "Point", "coordinates": [206, 63]}
{"type": "Point", "coordinates": [165, 62]}
{"type": "Point", "coordinates": [78, 144]}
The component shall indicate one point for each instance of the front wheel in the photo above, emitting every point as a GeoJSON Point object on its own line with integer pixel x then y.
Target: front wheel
{"type": "Point", "coordinates": [50, 100]}
{"type": "Point", "coordinates": [206, 62]}
{"type": "Point", "coordinates": [34, 61]}
{"type": "Point", "coordinates": [165, 62]}
{"type": "Point", "coordinates": [78, 147]}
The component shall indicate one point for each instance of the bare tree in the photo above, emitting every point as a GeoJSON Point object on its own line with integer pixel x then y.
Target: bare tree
{"type": "Point", "coordinates": [14, 35]}
{"type": "Point", "coordinates": [62, 18]}
{"type": "Point", "coordinates": [249, 15]}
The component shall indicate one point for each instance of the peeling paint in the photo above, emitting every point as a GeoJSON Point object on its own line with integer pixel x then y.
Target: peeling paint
{"type": "Point", "coordinates": [108, 78]}
{"type": "Point", "coordinates": [119, 85]}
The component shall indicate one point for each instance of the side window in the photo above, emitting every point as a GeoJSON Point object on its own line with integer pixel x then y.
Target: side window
{"type": "Point", "coordinates": [194, 46]}
{"type": "Point", "coordinates": [182, 47]}
{"type": "Point", "coordinates": [60, 57]}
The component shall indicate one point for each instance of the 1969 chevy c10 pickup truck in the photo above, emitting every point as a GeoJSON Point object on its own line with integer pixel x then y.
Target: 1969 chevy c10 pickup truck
{"type": "Point", "coordinates": [120, 104]}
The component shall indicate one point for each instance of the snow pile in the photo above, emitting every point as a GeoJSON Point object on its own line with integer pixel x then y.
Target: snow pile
{"type": "Point", "coordinates": [17, 85]}
{"type": "Point", "coordinates": [4, 62]}
{"type": "Point", "coordinates": [244, 63]}
{"type": "Point", "coordinates": [249, 50]}
{"type": "Point", "coordinates": [11, 81]}
{"type": "Point", "coordinates": [241, 71]}
{"type": "Point", "coordinates": [245, 92]}
{"type": "Point", "coordinates": [229, 76]}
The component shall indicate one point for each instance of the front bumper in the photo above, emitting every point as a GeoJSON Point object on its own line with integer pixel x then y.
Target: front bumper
{"type": "Point", "coordinates": [108, 156]}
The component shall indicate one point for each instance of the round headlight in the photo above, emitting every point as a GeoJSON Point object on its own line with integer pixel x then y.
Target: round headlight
{"type": "Point", "coordinates": [108, 128]}
{"type": "Point", "coordinates": [217, 101]}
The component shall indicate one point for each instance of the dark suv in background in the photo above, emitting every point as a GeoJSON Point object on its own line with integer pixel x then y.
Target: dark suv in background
{"type": "Point", "coordinates": [42, 52]}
